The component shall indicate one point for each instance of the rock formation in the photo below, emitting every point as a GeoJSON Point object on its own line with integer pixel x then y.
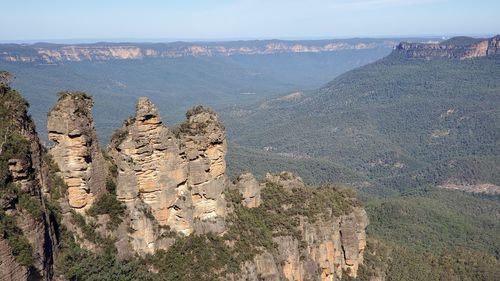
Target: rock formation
{"type": "Point", "coordinates": [178, 177]}
{"type": "Point", "coordinates": [449, 49]}
{"type": "Point", "coordinates": [332, 245]}
{"type": "Point", "coordinates": [27, 238]}
{"type": "Point", "coordinates": [171, 184]}
{"type": "Point", "coordinates": [204, 141]}
{"type": "Point", "coordinates": [249, 188]}
{"type": "Point", "coordinates": [76, 151]}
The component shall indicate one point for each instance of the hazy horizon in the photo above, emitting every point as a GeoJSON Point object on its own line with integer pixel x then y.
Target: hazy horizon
{"type": "Point", "coordinates": [227, 20]}
{"type": "Point", "coordinates": [230, 39]}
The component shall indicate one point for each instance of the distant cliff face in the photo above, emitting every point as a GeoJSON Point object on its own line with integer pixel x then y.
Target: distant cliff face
{"type": "Point", "coordinates": [53, 54]}
{"type": "Point", "coordinates": [451, 49]}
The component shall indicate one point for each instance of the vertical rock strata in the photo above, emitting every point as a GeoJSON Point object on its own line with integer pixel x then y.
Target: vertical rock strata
{"type": "Point", "coordinates": [25, 221]}
{"type": "Point", "coordinates": [178, 177]}
{"type": "Point", "coordinates": [76, 151]}
{"type": "Point", "coordinates": [152, 177]}
{"type": "Point", "coordinates": [332, 245]}
{"type": "Point", "coordinates": [249, 189]}
{"type": "Point", "coordinates": [204, 141]}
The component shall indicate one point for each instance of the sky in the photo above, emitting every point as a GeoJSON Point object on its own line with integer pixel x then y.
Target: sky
{"type": "Point", "coordinates": [153, 20]}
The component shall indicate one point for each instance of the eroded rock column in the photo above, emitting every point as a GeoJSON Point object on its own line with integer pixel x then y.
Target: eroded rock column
{"type": "Point", "coordinates": [203, 137]}
{"type": "Point", "coordinates": [76, 151]}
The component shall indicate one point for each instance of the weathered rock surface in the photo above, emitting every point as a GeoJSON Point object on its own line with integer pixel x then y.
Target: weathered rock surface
{"type": "Point", "coordinates": [481, 48]}
{"type": "Point", "coordinates": [10, 270]}
{"type": "Point", "coordinates": [330, 247]}
{"type": "Point", "coordinates": [204, 142]}
{"type": "Point", "coordinates": [178, 178]}
{"type": "Point", "coordinates": [76, 151]}
{"type": "Point", "coordinates": [26, 174]}
{"type": "Point", "coordinates": [249, 188]}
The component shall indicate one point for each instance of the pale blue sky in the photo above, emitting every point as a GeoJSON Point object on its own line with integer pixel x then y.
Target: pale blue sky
{"type": "Point", "coordinates": [232, 19]}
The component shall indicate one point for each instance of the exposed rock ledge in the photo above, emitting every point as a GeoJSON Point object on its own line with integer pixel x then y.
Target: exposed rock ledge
{"type": "Point", "coordinates": [482, 48]}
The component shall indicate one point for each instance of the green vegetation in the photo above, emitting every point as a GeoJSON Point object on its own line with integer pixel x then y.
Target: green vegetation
{"type": "Point", "coordinates": [395, 129]}
{"type": "Point", "coordinates": [395, 124]}
{"type": "Point", "coordinates": [397, 263]}
{"type": "Point", "coordinates": [108, 204]}
{"type": "Point", "coordinates": [74, 95]}
{"type": "Point", "coordinates": [177, 84]}
{"type": "Point", "coordinates": [79, 264]}
{"type": "Point", "coordinates": [197, 257]}
{"type": "Point", "coordinates": [76, 263]}
{"type": "Point", "coordinates": [13, 145]}
{"type": "Point", "coordinates": [437, 220]}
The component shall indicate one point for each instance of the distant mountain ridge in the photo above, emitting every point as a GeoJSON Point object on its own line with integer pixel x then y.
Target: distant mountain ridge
{"type": "Point", "coordinates": [45, 53]}
{"type": "Point", "coordinates": [457, 47]}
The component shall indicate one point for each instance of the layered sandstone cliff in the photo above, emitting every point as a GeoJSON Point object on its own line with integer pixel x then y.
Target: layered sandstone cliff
{"type": "Point", "coordinates": [75, 150]}
{"type": "Point", "coordinates": [177, 176]}
{"type": "Point", "coordinates": [53, 54]}
{"type": "Point", "coordinates": [451, 49]}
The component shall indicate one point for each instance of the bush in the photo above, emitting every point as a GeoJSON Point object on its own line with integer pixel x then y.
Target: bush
{"type": "Point", "coordinates": [108, 204]}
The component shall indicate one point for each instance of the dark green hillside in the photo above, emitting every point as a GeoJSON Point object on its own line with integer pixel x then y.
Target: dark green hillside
{"type": "Point", "coordinates": [396, 129]}
{"type": "Point", "coordinates": [437, 220]}
{"type": "Point", "coordinates": [397, 122]}
{"type": "Point", "coordinates": [461, 40]}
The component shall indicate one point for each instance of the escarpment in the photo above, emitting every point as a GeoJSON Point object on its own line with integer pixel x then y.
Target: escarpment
{"type": "Point", "coordinates": [56, 53]}
{"type": "Point", "coordinates": [27, 234]}
{"type": "Point", "coordinates": [452, 48]}
{"type": "Point", "coordinates": [162, 194]}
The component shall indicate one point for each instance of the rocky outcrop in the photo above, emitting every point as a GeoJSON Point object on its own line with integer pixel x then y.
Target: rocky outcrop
{"type": "Point", "coordinates": [54, 54]}
{"type": "Point", "coordinates": [249, 189]}
{"type": "Point", "coordinates": [451, 49]}
{"type": "Point", "coordinates": [486, 188]}
{"type": "Point", "coordinates": [27, 241]}
{"type": "Point", "coordinates": [75, 150]}
{"type": "Point", "coordinates": [152, 177]}
{"type": "Point", "coordinates": [331, 248]}
{"type": "Point", "coordinates": [177, 177]}
{"type": "Point", "coordinates": [10, 269]}
{"type": "Point", "coordinates": [204, 142]}
{"type": "Point", "coordinates": [328, 248]}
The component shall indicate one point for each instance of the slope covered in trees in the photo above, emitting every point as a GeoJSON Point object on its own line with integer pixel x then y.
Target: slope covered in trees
{"type": "Point", "coordinates": [396, 123]}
